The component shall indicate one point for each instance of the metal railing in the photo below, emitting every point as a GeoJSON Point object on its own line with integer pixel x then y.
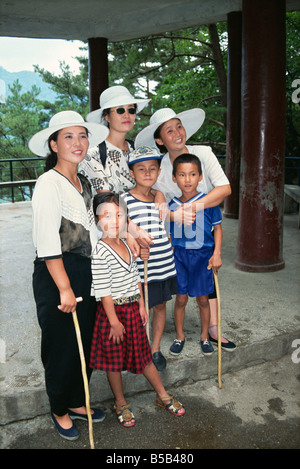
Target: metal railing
{"type": "Point", "coordinates": [8, 175]}
{"type": "Point", "coordinates": [16, 177]}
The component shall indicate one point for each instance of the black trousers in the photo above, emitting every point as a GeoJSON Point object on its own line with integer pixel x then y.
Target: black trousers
{"type": "Point", "coordinates": [59, 348]}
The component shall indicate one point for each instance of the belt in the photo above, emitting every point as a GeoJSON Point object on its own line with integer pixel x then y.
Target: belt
{"type": "Point", "coordinates": [127, 299]}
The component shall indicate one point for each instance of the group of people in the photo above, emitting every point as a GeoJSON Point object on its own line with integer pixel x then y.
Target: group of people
{"type": "Point", "coordinates": [103, 206]}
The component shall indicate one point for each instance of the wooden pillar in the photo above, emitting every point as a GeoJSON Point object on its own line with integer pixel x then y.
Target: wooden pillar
{"type": "Point", "coordinates": [98, 70]}
{"type": "Point", "coordinates": [263, 137]}
{"type": "Point", "coordinates": [233, 132]}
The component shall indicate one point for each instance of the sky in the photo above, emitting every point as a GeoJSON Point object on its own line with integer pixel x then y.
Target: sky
{"type": "Point", "coordinates": [19, 54]}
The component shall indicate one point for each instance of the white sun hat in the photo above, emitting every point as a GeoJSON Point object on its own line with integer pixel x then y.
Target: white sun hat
{"type": "Point", "coordinates": [38, 144]}
{"type": "Point", "coordinates": [191, 121]}
{"type": "Point", "coordinates": [112, 97]}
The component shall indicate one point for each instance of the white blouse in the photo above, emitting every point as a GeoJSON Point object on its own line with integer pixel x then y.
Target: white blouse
{"type": "Point", "coordinates": [62, 216]}
{"type": "Point", "coordinates": [213, 174]}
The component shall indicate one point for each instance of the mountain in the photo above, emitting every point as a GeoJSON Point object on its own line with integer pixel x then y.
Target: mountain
{"type": "Point", "coordinates": [27, 79]}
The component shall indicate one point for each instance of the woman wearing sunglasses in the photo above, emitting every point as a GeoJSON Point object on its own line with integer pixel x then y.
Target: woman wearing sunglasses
{"type": "Point", "coordinates": [106, 165]}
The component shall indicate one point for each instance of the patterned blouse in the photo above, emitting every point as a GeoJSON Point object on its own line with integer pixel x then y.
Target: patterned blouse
{"type": "Point", "coordinates": [114, 176]}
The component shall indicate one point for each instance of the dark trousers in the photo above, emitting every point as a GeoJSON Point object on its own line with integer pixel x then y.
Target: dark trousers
{"type": "Point", "coordinates": [59, 348]}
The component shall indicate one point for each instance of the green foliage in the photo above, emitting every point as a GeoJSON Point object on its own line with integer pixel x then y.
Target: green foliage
{"type": "Point", "coordinates": [174, 69]}
{"type": "Point", "coordinates": [293, 84]}
{"type": "Point", "coordinates": [72, 90]}
{"type": "Point", "coordinates": [20, 116]}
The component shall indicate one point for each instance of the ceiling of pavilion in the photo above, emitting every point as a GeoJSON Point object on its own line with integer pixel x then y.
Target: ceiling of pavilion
{"type": "Point", "coordinates": [114, 19]}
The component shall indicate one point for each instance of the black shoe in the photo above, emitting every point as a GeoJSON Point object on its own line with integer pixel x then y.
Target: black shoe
{"type": "Point", "coordinates": [97, 416]}
{"type": "Point", "coordinates": [159, 361]}
{"type": "Point", "coordinates": [176, 347]}
{"type": "Point", "coordinates": [228, 346]}
{"type": "Point", "coordinates": [69, 434]}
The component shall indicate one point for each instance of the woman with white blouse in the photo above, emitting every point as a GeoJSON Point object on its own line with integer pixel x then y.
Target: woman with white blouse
{"type": "Point", "coordinates": [64, 233]}
{"type": "Point", "coordinates": [169, 132]}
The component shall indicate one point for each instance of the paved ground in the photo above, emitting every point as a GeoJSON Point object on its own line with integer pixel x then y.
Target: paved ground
{"type": "Point", "coordinates": [257, 408]}
{"type": "Point", "coordinates": [258, 405]}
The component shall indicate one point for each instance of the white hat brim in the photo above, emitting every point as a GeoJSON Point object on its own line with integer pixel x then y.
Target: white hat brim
{"type": "Point", "coordinates": [38, 144]}
{"type": "Point", "coordinates": [191, 120]}
{"type": "Point", "coordinates": [96, 116]}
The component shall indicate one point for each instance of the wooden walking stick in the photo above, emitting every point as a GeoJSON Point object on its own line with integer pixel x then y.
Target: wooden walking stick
{"type": "Point", "coordinates": [84, 375]}
{"type": "Point", "coordinates": [219, 327]}
{"type": "Point", "coordinates": [146, 296]}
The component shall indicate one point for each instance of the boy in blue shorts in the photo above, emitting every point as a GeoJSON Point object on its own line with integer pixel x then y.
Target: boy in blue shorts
{"type": "Point", "coordinates": [195, 247]}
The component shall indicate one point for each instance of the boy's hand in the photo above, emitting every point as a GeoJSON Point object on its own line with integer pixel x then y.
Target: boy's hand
{"type": "Point", "coordinates": [163, 210]}
{"type": "Point", "coordinates": [185, 215]}
{"type": "Point", "coordinates": [160, 204]}
{"type": "Point", "coordinates": [215, 262]}
{"type": "Point", "coordinates": [133, 245]}
{"type": "Point", "coordinates": [145, 253]}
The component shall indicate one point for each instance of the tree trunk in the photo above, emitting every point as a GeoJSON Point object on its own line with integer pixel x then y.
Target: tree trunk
{"type": "Point", "coordinates": [219, 64]}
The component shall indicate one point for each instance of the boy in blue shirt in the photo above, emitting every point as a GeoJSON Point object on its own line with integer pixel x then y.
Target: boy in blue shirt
{"type": "Point", "coordinates": [195, 247]}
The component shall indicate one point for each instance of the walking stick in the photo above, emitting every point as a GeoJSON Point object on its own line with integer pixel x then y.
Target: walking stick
{"type": "Point", "coordinates": [219, 326]}
{"type": "Point", "coordinates": [146, 296]}
{"type": "Point", "coordinates": [84, 375]}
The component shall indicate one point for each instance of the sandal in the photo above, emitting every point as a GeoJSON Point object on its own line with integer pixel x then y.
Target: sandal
{"type": "Point", "coordinates": [175, 407]}
{"type": "Point", "coordinates": [125, 415]}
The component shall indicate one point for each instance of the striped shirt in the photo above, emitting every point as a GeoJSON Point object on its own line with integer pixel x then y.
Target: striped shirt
{"type": "Point", "coordinates": [161, 265]}
{"type": "Point", "coordinates": [112, 276]}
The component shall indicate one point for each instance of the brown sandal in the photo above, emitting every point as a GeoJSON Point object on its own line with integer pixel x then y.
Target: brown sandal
{"type": "Point", "coordinates": [174, 406]}
{"type": "Point", "coordinates": [125, 415]}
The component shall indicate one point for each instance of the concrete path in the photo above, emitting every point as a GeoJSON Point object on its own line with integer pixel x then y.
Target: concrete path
{"type": "Point", "coordinates": [260, 312]}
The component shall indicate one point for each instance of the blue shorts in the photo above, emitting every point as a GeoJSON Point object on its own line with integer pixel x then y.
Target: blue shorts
{"type": "Point", "coordinates": [192, 274]}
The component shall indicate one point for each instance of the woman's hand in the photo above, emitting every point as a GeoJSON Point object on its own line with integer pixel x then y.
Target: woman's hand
{"type": "Point", "coordinates": [68, 301]}
{"type": "Point", "coordinates": [67, 298]}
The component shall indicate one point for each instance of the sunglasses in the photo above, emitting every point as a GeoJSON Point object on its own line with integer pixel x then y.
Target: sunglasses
{"type": "Point", "coordinates": [121, 110]}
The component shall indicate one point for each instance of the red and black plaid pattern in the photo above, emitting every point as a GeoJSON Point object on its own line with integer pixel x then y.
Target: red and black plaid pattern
{"type": "Point", "coordinates": [133, 354]}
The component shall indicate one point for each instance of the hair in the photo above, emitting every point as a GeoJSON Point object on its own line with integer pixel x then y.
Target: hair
{"type": "Point", "coordinates": [156, 135]}
{"type": "Point", "coordinates": [51, 158]}
{"type": "Point", "coordinates": [186, 158]}
{"type": "Point", "coordinates": [109, 198]}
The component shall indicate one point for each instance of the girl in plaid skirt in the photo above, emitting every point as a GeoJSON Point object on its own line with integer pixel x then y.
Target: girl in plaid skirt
{"type": "Point", "coordinates": [119, 339]}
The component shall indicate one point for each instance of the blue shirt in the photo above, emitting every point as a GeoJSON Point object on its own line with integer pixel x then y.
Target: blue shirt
{"type": "Point", "coordinates": [199, 234]}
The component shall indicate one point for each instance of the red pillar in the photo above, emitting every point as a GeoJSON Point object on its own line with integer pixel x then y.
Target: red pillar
{"type": "Point", "coordinates": [233, 134]}
{"type": "Point", "coordinates": [263, 137]}
{"type": "Point", "coordinates": [98, 70]}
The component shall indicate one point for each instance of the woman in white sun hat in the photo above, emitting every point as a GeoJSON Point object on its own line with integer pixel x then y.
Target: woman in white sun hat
{"type": "Point", "coordinates": [106, 165]}
{"type": "Point", "coordinates": [63, 237]}
{"type": "Point", "coordinates": [169, 132]}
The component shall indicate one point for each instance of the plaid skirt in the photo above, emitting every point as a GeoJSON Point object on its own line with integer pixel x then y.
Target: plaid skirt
{"type": "Point", "coordinates": [133, 354]}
